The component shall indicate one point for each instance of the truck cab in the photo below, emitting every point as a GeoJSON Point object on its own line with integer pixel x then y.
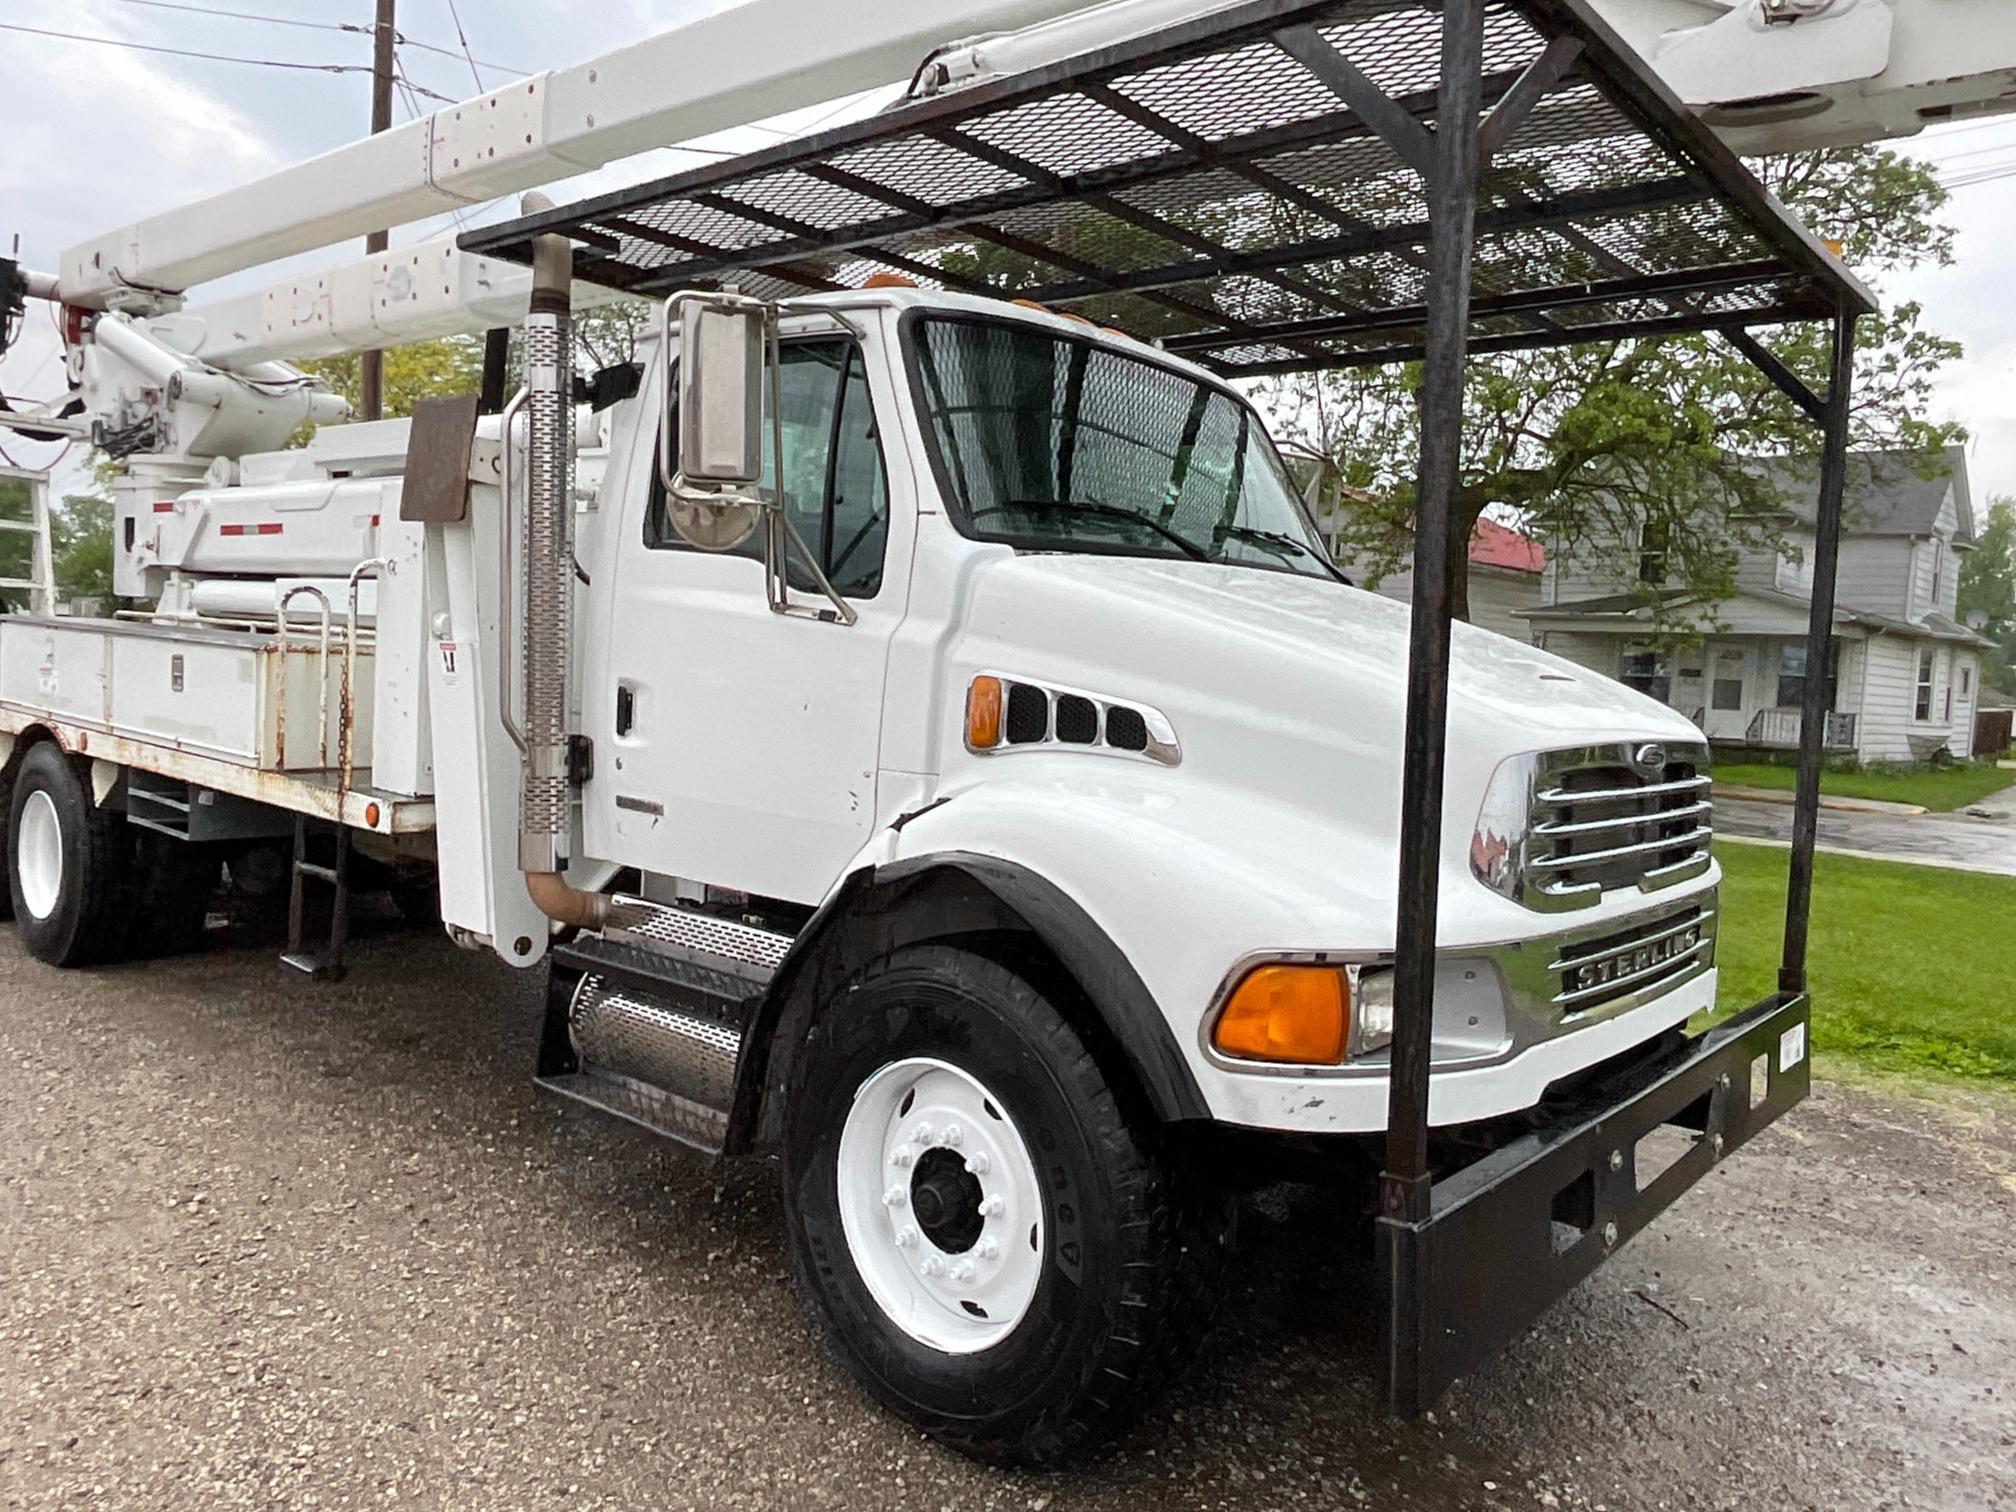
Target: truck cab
{"type": "Point", "coordinates": [1097, 642]}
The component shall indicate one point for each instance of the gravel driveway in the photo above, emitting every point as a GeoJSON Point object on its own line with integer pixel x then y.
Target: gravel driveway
{"type": "Point", "coordinates": [264, 1244]}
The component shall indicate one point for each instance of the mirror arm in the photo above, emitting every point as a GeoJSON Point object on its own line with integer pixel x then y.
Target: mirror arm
{"type": "Point", "coordinates": [780, 602]}
{"type": "Point", "coordinates": [781, 534]}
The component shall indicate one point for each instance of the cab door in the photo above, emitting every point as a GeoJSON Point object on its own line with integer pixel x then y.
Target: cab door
{"type": "Point", "coordinates": [743, 744]}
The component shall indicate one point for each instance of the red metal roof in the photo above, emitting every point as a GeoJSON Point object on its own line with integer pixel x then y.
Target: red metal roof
{"type": "Point", "coordinates": [1495, 545]}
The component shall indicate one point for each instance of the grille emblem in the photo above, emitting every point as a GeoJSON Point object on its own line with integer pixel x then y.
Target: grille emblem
{"type": "Point", "coordinates": [1649, 760]}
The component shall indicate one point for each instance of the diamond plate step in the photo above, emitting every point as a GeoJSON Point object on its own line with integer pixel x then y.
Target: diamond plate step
{"type": "Point", "coordinates": [646, 1022]}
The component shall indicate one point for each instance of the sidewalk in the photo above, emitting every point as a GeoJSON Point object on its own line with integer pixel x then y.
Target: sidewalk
{"type": "Point", "coordinates": [1893, 832]}
{"type": "Point", "coordinates": [1827, 800]}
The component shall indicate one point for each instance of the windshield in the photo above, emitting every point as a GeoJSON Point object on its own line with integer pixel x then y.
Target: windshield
{"type": "Point", "coordinates": [1055, 443]}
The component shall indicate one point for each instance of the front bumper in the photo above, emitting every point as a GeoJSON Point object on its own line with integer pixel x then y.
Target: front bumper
{"type": "Point", "coordinates": [1508, 1234]}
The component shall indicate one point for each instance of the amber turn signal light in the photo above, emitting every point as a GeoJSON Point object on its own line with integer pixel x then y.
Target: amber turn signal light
{"type": "Point", "coordinates": [1298, 1015]}
{"type": "Point", "coordinates": [983, 713]}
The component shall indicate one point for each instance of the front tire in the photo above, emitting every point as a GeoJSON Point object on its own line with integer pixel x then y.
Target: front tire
{"type": "Point", "coordinates": [67, 864]}
{"type": "Point", "coordinates": [999, 1242]}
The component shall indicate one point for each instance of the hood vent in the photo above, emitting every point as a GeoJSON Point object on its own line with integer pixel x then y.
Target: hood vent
{"type": "Point", "coordinates": [1038, 716]}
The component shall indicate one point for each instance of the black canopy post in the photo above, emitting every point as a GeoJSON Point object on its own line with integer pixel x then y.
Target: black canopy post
{"type": "Point", "coordinates": [1813, 702]}
{"type": "Point", "coordinates": [1452, 207]}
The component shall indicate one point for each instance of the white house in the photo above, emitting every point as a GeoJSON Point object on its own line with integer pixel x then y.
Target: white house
{"type": "Point", "coordinates": [1905, 673]}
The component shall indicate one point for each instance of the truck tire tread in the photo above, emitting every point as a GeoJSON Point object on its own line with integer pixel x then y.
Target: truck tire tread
{"type": "Point", "coordinates": [1171, 1229]}
{"type": "Point", "coordinates": [89, 924]}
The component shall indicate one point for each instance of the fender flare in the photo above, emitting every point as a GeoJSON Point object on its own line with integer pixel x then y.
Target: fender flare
{"type": "Point", "coordinates": [1102, 971]}
{"type": "Point", "coordinates": [1127, 1011]}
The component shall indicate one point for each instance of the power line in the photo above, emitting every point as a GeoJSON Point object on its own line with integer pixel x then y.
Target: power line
{"type": "Point", "coordinates": [185, 52]}
{"type": "Point", "coordinates": [405, 82]}
{"type": "Point", "coordinates": [1954, 157]}
{"type": "Point", "coordinates": [463, 37]}
{"type": "Point", "coordinates": [1980, 176]}
{"type": "Point", "coordinates": [352, 28]}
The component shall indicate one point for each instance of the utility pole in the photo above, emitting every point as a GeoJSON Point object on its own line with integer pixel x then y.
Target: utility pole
{"type": "Point", "coordinates": [371, 365]}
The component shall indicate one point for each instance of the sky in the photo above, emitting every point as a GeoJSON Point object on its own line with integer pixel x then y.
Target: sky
{"type": "Point", "coordinates": [98, 136]}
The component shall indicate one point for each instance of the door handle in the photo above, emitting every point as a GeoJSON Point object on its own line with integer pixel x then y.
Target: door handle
{"type": "Point", "coordinates": [626, 708]}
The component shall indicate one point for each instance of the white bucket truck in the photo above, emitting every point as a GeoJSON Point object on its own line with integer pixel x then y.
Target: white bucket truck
{"type": "Point", "coordinates": [920, 734]}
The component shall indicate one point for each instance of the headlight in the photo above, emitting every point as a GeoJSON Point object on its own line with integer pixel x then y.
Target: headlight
{"type": "Point", "coordinates": [1372, 1016]}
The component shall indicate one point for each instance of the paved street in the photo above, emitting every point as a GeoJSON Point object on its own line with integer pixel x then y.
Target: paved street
{"type": "Point", "coordinates": [1934, 839]}
{"type": "Point", "coordinates": [263, 1244]}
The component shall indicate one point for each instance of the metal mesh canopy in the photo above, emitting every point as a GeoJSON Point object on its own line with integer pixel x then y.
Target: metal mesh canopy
{"type": "Point", "coordinates": [1247, 188]}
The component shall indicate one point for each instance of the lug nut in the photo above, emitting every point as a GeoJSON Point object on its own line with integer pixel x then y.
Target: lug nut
{"type": "Point", "coordinates": [1609, 1236]}
{"type": "Point", "coordinates": [921, 1134]}
{"type": "Point", "coordinates": [978, 1163]}
{"type": "Point", "coordinates": [1717, 1143]}
{"type": "Point", "coordinates": [901, 1158]}
{"type": "Point", "coordinates": [894, 1197]}
{"type": "Point", "coordinates": [963, 1271]}
{"type": "Point", "coordinates": [932, 1266]}
{"type": "Point", "coordinates": [952, 1135]}
{"type": "Point", "coordinates": [989, 1249]}
{"type": "Point", "coordinates": [1616, 1160]}
{"type": "Point", "coordinates": [993, 1207]}
{"type": "Point", "coordinates": [907, 1237]}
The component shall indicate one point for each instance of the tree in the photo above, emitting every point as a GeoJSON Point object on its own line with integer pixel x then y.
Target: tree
{"type": "Point", "coordinates": [17, 506]}
{"type": "Point", "coordinates": [420, 370]}
{"type": "Point", "coordinates": [1598, 442]}
{"type": "Point", "coordinates": [80, 546]}
{"type": "Point", "coordinates": [1988, 588]}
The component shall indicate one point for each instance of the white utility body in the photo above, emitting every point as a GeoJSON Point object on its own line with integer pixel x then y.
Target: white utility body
{"type": "Point", "coordinates": [1090, 811]}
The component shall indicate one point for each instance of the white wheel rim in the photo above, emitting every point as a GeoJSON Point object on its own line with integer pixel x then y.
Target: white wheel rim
{"type": "Point", "coordinates": [958, 1274]}
{"type": "Point", "coordinates": [38, 855]}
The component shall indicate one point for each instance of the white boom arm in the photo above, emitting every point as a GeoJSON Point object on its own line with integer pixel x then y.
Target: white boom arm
{"type": "Point", "coordinates": [756, 60]}
{"type": "Point", "coordinates": [1775, 76]}
{"type": "Point", "coordinates": [1771, 75]}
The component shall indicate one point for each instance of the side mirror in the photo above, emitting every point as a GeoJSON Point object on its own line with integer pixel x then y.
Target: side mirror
{"type": "Point", "coordinates": [722, 339]}
{"type": "Point", "coordinates": [728, 352]}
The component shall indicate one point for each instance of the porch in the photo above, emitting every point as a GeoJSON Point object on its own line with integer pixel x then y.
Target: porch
{"type": "Point", "coordinates": [1779, 729]}
{"type": "Point", "coordinates": [1744, 691]}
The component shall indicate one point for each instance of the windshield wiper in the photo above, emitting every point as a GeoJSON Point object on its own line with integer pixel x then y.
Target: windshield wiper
{"type": "Point", "coordinates": [1101, 511]}
{"type": "Point", "coordinates": [1276, 538]}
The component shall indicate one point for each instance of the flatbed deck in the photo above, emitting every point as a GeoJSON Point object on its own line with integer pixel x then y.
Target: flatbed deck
{"type": "Point", "coordinates": [318, 794]}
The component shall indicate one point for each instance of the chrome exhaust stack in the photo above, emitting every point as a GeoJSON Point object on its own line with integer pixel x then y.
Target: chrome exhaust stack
{"type": "Point", "coordinates": [546, 793]}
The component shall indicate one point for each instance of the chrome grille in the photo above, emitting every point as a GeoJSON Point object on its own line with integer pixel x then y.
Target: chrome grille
{"type": "Point", "coordinates": [1635, 963]}
{"type": "Point", "coordinates": [1562, 828]}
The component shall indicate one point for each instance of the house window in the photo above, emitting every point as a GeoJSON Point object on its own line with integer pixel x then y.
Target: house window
{"type": "Point", "coordinates": [1923, 708]}
{"type": "Point", "coordinates": [1648, 671]}
{"type": "Point", "coordinates": [1728, 690]}
{"type": "Point", "coordinates": [1653, 541]}
{"type": "Point", "coordinates": [1795, 574]}
{"type": "Point", "coordinates": [1938, 573]}
{"type": "Point", "coordinates": [1966, 679]}
{"type": "Point", "coordinates": [1792, 674]}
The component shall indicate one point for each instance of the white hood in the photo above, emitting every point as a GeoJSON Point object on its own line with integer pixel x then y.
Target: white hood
{"type": "Point", "coordinates": [1243, 655]}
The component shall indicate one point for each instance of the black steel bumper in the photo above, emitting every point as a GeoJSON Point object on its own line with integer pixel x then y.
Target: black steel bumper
{"type": "Point", "coordinates": [1512, 1232]}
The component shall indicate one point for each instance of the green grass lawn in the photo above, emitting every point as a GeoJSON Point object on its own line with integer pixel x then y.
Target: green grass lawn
{"type": "Point", "coordinates": [1913, 969]}
{"type": "Point", "coordinates": [1941, 789]}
